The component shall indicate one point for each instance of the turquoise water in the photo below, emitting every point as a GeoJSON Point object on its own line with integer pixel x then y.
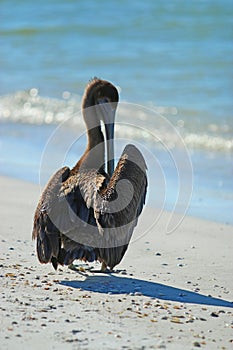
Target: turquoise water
{"type": "Point", "coordinates": [174, 57]}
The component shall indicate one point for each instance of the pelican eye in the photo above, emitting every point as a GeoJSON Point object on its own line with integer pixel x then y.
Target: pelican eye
{"type": "Point", "coordinates": [103, 100]}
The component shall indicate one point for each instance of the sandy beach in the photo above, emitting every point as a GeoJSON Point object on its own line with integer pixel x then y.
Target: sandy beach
{"type": "Point", "coordinates": [171, 291]}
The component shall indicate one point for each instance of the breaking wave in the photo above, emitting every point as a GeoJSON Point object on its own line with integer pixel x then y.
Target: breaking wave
{"type": "Point", "coordinates": [31, 108]}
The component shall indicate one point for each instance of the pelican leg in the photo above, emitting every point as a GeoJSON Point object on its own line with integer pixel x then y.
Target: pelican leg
{"type": "Point", "coordinates": [79, 269]}
{"type": "Point", "coordinates": [73, 267]}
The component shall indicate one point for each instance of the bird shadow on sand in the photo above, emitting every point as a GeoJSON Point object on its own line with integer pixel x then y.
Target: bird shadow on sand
{"type": "Point", "coordinates": [113, 284]}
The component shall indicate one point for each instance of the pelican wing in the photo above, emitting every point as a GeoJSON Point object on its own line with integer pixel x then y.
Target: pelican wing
{"type": "Point", "coordinates": [44, 229]}
{"type": "Point", "coordinates": [64, 225]}
{"type": "Point", "coordinates": [119, 205]}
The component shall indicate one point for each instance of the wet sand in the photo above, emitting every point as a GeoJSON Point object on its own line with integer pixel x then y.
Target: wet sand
{"type": "Point", "coordinates": [169, 292]}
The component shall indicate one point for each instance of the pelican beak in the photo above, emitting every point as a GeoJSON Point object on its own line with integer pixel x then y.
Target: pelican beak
{"type": "Point", "coordinates": [108, 117]}
{"type": "Point", "coordinates": [109, 129]}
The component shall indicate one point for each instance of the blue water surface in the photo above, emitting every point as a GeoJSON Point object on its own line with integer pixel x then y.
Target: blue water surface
{"type": "Point", "coordinates": [176, 56]}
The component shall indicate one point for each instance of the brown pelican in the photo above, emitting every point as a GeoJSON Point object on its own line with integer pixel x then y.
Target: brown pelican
{"type": "Point", "coordinates": [89, 212]}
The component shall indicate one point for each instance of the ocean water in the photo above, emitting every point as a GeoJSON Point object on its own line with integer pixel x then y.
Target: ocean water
{"type": "Point", "coordinates": [172, 63]}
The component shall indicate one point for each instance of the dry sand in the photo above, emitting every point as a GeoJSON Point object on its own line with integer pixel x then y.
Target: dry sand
{"type": "Point", "coordinates": [169, 292]}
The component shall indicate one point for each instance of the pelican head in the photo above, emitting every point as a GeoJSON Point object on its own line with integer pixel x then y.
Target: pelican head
{"type": "Point", "coordinates": [103, 97]}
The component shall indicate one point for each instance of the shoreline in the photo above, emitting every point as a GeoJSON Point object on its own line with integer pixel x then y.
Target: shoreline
{"type": "Point", "coordinates": [196, 216]}
{"type": "Point", "coordinates": [170, 291]}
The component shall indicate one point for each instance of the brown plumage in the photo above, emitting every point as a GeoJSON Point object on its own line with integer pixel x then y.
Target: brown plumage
{"type": "Point", "coordinates": [88, 213]}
